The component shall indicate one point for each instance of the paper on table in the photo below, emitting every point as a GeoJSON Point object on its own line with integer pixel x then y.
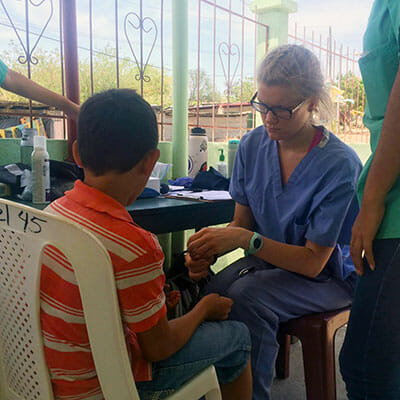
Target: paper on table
{"type": "Point", "coordinates": [174, 188]}
{"type": "Point", "coordinates": [208, 195]}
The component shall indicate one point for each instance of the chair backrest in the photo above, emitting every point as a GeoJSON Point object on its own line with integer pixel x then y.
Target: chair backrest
{"type": "Point", "coordinates": [24, 232]}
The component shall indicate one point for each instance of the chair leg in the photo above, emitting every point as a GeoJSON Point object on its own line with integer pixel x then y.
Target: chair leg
{"type": "Point", "coordinates": [319, 362]}
{"type": "Point", "coordinates": [283, 357]}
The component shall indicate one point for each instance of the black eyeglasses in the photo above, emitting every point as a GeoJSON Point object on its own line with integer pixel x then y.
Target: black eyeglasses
{"type": "Point", "coordinates": [278, 112]}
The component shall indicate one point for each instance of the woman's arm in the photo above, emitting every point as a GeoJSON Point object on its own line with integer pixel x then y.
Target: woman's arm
{"type": "Point", "coordinates": [243, 217]}
{"type": "Point", "coordinates": [21, 85]}
{"type": "Point", "coordinates": [199, 267]}
{"type": "Point", "coordinates": [308, 260]}
{"type": "Point", "coordinates": [384, 171]}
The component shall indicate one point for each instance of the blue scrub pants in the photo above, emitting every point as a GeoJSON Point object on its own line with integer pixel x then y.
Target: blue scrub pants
{"type": "Point", "coordinates": [370, 356]}
{"type": "Point", "coordinates": [263, 297]}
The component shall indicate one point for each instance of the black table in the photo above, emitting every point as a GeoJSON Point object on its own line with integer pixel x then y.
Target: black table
{"type": "Point", "coordinates": [162, 215]}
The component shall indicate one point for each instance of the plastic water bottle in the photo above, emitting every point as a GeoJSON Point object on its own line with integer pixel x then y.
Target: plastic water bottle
{"type": "Point", "coordinates": [197, 151]}
{"type": "Point", "coordinates": [40, 171]}
{"type": "Point", "coordinates": [27, 144]}
{"type": "Point", "coordinates": [233, 145]}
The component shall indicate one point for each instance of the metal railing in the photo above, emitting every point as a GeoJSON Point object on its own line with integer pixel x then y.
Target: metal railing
{"type": "Point", "coordinates": [27, 35]}
{"type": "Point", "coordinates": [340, 68]}
{"type": "Point", "coordinates": [121, 44]}
{"type": "Point", "coordinates": [227, 39]}
{"type": "Point", "coordinates": [126, 56]}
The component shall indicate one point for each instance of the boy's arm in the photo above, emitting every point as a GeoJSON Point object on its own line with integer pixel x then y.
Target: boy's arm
{"type": "Point", "coordinates": [21, 85]}
{"type": "Point", "coordinates": [167, 337]}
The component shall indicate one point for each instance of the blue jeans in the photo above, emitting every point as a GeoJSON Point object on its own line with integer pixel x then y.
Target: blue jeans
{"type": "Point", "coordinates": [225, 344]}
{"type": "Point", "coordinates": [264, 296]}
{"type": "Point", "coordinates": [370, 356]}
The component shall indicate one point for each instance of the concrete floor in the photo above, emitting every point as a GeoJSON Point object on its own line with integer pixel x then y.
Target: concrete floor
{"type": "Point", "coordinates": [293, 388]}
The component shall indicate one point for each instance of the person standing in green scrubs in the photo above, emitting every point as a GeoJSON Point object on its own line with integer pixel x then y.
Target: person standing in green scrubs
{"type": "Point", "coordinates": [19, 84]}
{"type": "Point", "coordinates": [370, 357]}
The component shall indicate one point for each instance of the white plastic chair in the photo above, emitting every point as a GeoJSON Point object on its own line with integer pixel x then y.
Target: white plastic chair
{"type": "Point", "coordinates": [24, 232]}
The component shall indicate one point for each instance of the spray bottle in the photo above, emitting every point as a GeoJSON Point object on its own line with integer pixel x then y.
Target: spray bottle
{"type": "Point", "coordinates": [40, 171]}
{"type": "Point", "coordinates": [222, 166]}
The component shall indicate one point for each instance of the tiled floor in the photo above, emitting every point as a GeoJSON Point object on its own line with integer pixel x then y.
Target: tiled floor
{"type": "Point", "coordinates": [293, 388]}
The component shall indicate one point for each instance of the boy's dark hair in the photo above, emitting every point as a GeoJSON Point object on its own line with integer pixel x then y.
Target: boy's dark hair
{"type": "Point", "coordinates": [116, 128]}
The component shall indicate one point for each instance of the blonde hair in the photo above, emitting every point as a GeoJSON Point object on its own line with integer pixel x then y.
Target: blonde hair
{"type": "Point", "coordinates": [298, 68]}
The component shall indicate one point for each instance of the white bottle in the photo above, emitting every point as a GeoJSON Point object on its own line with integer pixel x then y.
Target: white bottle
{"type": "Point", "coordinates": [40, 171]}
{"type": "Point", "coordinates": [222, 166]}
{"type": "Point", "coordinates": [197, 151]}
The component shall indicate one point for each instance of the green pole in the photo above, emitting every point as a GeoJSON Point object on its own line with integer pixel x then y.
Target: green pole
{"type": "Point", "coordinates": [275, 14]}
{"type": "Point", "coordinates": [180, 101]}
{"type": "Point", "coordinates": [180, 88]}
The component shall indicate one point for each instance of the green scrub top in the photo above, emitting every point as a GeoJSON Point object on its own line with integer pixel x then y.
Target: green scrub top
{"type": "Point", "coordinates": [3, 72]}
{"type": "Point", "coordinates": [379, 64]}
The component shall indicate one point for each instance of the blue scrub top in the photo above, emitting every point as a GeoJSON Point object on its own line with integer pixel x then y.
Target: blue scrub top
{"type": "Point", "coordinates": [318, 202]}
{"type": "Point", "coordinates": [3, 72]}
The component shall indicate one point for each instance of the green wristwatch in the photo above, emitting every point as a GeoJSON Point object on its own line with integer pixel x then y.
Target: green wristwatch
{"type": "Point", "coordinates": [256, 243]}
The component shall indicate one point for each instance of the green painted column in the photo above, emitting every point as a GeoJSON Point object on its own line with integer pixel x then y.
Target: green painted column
{"type": "Point", "coordinates": [180, 88]}
{"type": "Point", "coordinates": [180, 34]}
{"type": "Point", "coordinates": [275, 14]}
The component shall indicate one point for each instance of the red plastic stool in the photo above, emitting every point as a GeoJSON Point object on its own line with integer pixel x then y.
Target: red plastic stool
{"type": "Point", "coordinates": [317, 335]}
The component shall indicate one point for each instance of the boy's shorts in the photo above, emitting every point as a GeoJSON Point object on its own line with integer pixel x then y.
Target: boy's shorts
{"type": "Point", "coordinates": [225, 344]}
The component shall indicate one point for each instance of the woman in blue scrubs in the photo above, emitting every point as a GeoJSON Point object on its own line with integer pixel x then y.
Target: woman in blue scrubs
{"type": "Point", "coordinates": [294, 187]}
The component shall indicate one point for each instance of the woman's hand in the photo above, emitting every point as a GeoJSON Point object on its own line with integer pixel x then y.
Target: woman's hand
{"type": "Point", "coordinates": [363, 233]}
{"type": "Point", "coordinates": [209, 242]}
{"type": "Point", "coordinates": [71, 109]}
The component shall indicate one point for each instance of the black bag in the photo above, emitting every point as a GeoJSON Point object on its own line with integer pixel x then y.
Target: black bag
{"type": "Point", "coordinates": [177, 277]}
{"type": "Point", "coordinates": [63, 175]}
{"type": "Point", "coordinates": [211, 180]}
{"type": "Point", "coordinates": [14, 181]}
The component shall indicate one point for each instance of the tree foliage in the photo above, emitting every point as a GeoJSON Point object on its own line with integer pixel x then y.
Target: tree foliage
{"type": "Point", "coordinates": [47, 72]}
{"type": "Point", "coordinates": [239, 91]}
{"type": "Point", "coordinates": [205, 88]}
{"type": "Point", "coordinates": [243, 91]}
{"type": "Point", "coordinates": [353, 88]}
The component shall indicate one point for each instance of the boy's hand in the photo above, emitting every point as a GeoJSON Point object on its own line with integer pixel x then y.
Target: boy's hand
{"type": "Point", "coordinates": [198, 269]}
{"type": "Point", "coordinates": [217, 307]}
{"type": "Point", "coordinates": [172, 297]}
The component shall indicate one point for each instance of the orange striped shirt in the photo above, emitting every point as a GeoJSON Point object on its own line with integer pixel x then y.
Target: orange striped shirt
{"type": "Point", "coordinates": [137, 260]}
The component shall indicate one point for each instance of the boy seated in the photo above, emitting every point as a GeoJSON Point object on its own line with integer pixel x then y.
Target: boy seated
{"type": "Point", "coordinates": [117, 148]}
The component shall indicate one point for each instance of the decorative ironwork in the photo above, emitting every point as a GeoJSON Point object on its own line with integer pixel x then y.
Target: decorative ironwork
{"type": "Point", "coordinates": [229, 52]}
{"type": "Point", "coordinates": [145, 26]}
{"type": "Point", "coordinates": [28, 51]}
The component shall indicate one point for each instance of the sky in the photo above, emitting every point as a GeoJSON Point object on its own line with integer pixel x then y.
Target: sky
{"type": "Point", "coordinates": [348, 19]}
